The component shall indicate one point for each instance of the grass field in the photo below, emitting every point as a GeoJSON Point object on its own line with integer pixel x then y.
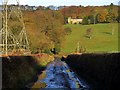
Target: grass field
{"type": "Point", "coordinates": [102, 39]}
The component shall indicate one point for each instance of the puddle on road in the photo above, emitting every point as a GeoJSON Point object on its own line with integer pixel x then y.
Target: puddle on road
{"type": "Point", "coordinates": [58, 75]}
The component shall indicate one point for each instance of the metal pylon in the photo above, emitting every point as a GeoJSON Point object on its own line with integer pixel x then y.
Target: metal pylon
{"type": "Point", "coordinates": [11, 42]}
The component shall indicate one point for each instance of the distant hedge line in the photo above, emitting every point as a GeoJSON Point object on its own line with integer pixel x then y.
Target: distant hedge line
{"type": "Point", "coordinates": [104, 69]}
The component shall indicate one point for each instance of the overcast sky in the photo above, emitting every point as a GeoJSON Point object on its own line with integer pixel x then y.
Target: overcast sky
{"type": "Point", "coordinates": [63, 2]}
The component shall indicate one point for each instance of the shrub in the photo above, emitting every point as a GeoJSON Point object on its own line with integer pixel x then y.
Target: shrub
{"type": "Point", "coordinates": [85, 21]}
{"type": "Point", "coordinates": [68, 30]}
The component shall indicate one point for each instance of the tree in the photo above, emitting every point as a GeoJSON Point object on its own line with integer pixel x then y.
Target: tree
{"type": "Point", "coordinates": [65, 20]}
{"type": "Point", "coordinates": [110, 16]}
{"type": "Point", "coordinates": [118, 18]}
{"type": "Point", "coordinates": [95, 19]}
{"type": "Point", "coordinates": [45, 27]}
{"type": "Point", "coordinates": [110, 9]}
{"type": "Point", "coordinates": [89, 33]}
{"type": "Point", "coordinates": [54, 29]}
{"type": "Point", "coordinates": [40, 8]}
{"type": "Point", "coordinates": [85, 21]}
{"type": "Point", "coordinates": [91, 18]}
{"type": "Point", "coordinates": [101, 17]}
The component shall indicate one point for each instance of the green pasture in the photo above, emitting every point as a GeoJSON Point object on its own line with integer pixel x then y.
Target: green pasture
{"type": "Point", "coordinates": [102, 40]}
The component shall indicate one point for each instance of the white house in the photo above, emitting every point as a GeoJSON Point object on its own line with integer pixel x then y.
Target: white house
{"type": "Point", "coordinates": [74, 21]}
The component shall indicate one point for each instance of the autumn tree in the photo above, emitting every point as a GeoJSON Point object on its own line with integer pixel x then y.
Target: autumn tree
{"type": "Point", "coordinates": [45, 27]}
{"type": "Point", "coordinates": [118, 18]}
{"type": "Point", "coordinates": [101, 17]}
{"type": "Point", "coordinates": [110, 16]}
{"type": "Point", "coordinates": [89, 32]}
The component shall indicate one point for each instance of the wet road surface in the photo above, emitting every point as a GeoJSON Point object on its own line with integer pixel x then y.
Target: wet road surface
{"type": "Point", "coordinates": [59, 75]}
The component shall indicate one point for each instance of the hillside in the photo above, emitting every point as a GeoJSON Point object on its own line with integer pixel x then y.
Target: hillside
{"type": "Point", "coordinates": [48, 28]}
{"type": "Point", "coordinates": [101, 41]}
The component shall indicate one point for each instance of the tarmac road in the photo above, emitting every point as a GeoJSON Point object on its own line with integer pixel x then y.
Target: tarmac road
{"type": "Point", "coordinates": [59, 75]}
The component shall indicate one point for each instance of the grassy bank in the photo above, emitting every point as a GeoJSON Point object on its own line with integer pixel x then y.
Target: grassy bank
{"type": "Point", "coordinates": [18, 71]}
{"type": "Point", "coordinates": [100, 70]}
{"type": "Point", "coordinates": [102, 40]}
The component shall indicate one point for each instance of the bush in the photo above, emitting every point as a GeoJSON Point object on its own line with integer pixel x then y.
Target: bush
{"type": "Point", "coordinates": [68, 30]}
{"type": "Point", "coordinates": [57, 48]}
{"type": "Point", "coordinates": [85, 21]}
{"type": "Point", "coordinates": [47, 51]}
{"type": "Point", "coordinates": [91, 18]}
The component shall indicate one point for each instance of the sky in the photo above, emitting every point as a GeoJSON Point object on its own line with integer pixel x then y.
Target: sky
{"type": "Point", "coordinates": [63, 2]}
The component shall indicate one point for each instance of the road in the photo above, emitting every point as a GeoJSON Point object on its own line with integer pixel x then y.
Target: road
{"type": "Point", "coordinates": [59, 75]}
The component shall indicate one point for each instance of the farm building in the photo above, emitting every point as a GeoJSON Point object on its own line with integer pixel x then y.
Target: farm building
{"type": "Point", "coordinates": [74, 21]}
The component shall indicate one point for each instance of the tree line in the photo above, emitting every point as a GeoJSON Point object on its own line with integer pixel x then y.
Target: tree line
{"type": "Point", "coordinates": [92, 14]}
